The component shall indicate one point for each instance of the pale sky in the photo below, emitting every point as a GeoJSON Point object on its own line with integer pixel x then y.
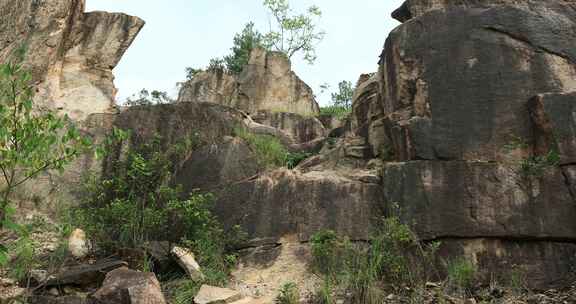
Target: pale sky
{"type": "Point", "coordinates": [182, 33]}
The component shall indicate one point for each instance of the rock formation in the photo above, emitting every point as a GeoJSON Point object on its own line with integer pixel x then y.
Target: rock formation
{"type": "Point", "coordinates": [477, 104]}
{"type": "Point", "coordinates": [71, 53]}
{"type": "Point", "coordinates": [467, 131]}
{"type": "Point", "coordinates": [266, 83]}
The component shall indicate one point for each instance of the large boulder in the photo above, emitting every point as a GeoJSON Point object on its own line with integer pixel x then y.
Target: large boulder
{"type": "Point", "coordinates": [460, 91]}
{"type": "Point", "coordinates": [216, 295]}
{"type": "Point", "coordinates": [210, 86]}
{"type": "Point", "coordinates": [126, 286]}
{"type": "Point", "coordinates": [71, 53]}
{"type": "Point", "coordinates": [416, 8]}
{"type": "Point", "coordinates": [266, 83]}
{"type": "Point", "coordinates": [478, 112]}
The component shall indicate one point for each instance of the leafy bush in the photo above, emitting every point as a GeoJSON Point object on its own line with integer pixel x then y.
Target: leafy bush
{"type": "Point", "coordinates": [146, 98]}
{"type": "Point", "coordinates": [244, 43]}
{"type": "Point", "coordinates": [270, 151]}
{"type": "Point", "coordinates": [339, 112]}
{"type": "Point", "coordinates": [133, 203]}
{"type": "Point", "coordinates": [536, 165]}
{"type": "Point", "coordinates": [289, 294]}
{"type": "Point", "coordinates": [33, 141]}
{"type": "Point", "coordinates": [393, 255]}
{"type": "Point", "coordinates": [461, 275]}
{"type": "Point", "coordinates": [293, 159]}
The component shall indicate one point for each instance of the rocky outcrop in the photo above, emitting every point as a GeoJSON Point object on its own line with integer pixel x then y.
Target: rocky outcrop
{"type": "Point", "coordinates": [302, 129]}
{"type": "Point", "coordinates": [71, 53]}
{"type": "Point", "coordinates": [286, 202]}
{"type": "Point", "coordinates": [266, 83]}
{"type": "Point", "coordinates": [467, 99]}
{"type": "Point", "coordinates": [478, 116]}
{"type": "Point", "coordinates": [367, 113]}
{"type": "Point", "coordinates": [416, 8]}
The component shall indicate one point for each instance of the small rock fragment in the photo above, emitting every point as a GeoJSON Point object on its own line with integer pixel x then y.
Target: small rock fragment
{"type": "Point", "coordinates": [186, 260]}
{"type": "Point", "coordinates": [78, 244]}
{"type": "Point", "coordinates": [216, 295]}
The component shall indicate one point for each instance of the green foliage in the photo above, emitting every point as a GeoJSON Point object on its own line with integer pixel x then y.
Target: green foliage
{"type": "Point", "coordinates": [343, 98]}
{"type": "Point", "coordinates": [244, 43]}
{"type": "Point", "coordinates": [341, 106]}
{"type": "Point", "coordinates": [393, 255]}
{"type": "Point", "coordinates": [335, 111]}
{"type": "Point", "coordinates": [146, 98]}
{"type": "Point", "coordinates": [216, 65]}
{"type": "Point", "coordinates": [133, 203]}
{"type": "Point", "coordinates": [289, 294]}
{"type": "Point", "coordinates": [192, 72]}
{"type": "Point", "coordinates": [290, 33]}
{"type": "Point", "coordinates": [185, 291]}
{"type": "Point", "coordinates": [461, 275]}
{"type": "Point", "coordinates": [293, 159]}
{"type": "Point", "coordinates": [33, 141]}
{"type": "Point", "coordinates": [535, 166]}
{"type": "Point", "coordinates": [270, 151]}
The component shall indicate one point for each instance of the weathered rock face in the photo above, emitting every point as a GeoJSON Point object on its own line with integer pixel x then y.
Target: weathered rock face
{"type": "Point", "coordinates": [215, 87]}
{"type": "Point", "coordinates": [71, 53]}
{"type": "Point", "coordinates": [416, 8]}
{"type": "Point", "coordinates": [478, 199]}
{"type": "Point", "coordinates": [555, 125]}
{"type": "Point", "coordinates": [302, 129]}
{"type": "Point", "coordinates": [266, 83]}
{"type": "Point", "coordinates": [367, 113]}
{"type": "Point", "coordinates": [286, 202]}
{"type": "Point", "coordinates": [477, 100]}
{"type": "Point", "coordinates": [467, 98]}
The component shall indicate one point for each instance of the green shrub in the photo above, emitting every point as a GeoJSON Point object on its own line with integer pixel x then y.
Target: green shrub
{"type": "Point", "coordinates": [461, 275]}
{"type": "Point", "coordinates": [392, 255]}
{"type": "Point", "coordinates": [295, 158]}
{"type": "Point", "coordinates": [326, 250]}
{"type": "Point", "coordinates": [340, 112]}
{"type": "Point", "coordinates": [270, 152]}
{"type": "Point", "coordinates": [134, 203]}
{"type": "Point", "coordinates": [535, 166]}
{"type": "Point", "coordinates": [268, 149]}
{"type": "Point", "coordinates": [289, 294]}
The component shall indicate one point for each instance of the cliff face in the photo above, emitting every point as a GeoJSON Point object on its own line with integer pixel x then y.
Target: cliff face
{"type": "Point", "coordinates": [468, 128]}
{"type": "Point", "coordinates": [70, 53]}
{"type": "Point", "coordinates": [476, 95]}
{"type": "Point", "coordinates": [266, 83]}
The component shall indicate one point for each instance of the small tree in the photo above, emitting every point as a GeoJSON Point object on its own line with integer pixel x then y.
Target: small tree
{"type": "Point", "coordinates": [244, 43]}
{"type": "Point", "coordinates": [291, 33]}
{"type": "Point", "coordinates": [145, 97]}
{"type": "Point", "coordinates": [343, 98]}
{"type": "Point", "coordinates": [192, 72]}
{"type": "Point", "coordinates": [32, 140]}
